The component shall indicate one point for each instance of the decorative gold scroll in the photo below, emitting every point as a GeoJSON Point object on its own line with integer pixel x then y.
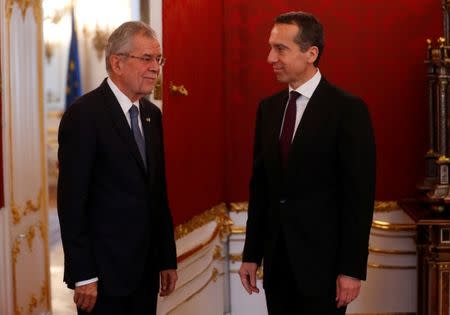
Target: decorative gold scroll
{"type": "Point", "coordinates": [380, 206]}
{"type": "Point", "coordinates": [218, 213]}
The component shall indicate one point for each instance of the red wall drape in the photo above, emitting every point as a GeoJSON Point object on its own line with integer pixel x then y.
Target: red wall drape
{"type": "Point", "coordinates": [194, 124]}
{"type": "Point", "coordinates": [374, 49]}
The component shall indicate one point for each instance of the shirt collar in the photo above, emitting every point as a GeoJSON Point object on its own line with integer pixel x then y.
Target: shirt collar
{"type": "Point", "coordinates": [307, 89]}
{"type": "Point", "coordinates": [124, 101]}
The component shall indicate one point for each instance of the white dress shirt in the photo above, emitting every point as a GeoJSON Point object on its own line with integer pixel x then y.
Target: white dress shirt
{"type": "Point", "coordinates": [306, 90]}
{"type": "Point", "coordinates": [125, 103]}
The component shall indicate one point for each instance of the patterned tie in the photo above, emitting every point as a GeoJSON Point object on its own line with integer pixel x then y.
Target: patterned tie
{"type": "Point", "coordinates": [288, 127]}
{"type": "Point", "coordinates": [134, 113]}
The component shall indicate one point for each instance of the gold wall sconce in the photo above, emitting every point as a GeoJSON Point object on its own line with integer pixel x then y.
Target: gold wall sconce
{"type": "Point", "coordinates": [99, 39]}
{"type": "Point", "coordinates": [98, 18]}
{"type": "Point", "coordinates": [54, 12]}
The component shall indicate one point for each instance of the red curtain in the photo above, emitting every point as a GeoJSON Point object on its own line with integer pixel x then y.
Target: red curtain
{"type": "Point", "coordinates": [218, 49]}
{"type": "Point", "coordinates": [374, 49]}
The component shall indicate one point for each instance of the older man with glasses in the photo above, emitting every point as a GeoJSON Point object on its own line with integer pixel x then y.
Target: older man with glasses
{"type": "Point", "coordinates": [115, 221]}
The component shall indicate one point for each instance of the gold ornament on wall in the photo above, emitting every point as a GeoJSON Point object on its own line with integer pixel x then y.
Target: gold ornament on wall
{"type": "Point", "coordinates": [33, 304]}
{"type": "Point", "coordinates": [30, 237]}
{"type": "Point", "coordinates": [16, 250]}
{"type": "Point", "coordinates": [100, 40]}
{"type": "Point", "coordinates": [218, 213]}
{"type": "Point", "coordinates": [217, 255]}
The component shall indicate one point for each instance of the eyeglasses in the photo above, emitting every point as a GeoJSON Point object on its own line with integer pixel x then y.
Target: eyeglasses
{"type": "Point", "coordinates": [147, 59]}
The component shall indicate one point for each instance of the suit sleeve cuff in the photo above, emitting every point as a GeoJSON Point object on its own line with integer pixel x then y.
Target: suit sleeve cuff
{"type": "Point", "coordinates": [341, 275]}
{"type": "Point", "coordinates": [84, 282]}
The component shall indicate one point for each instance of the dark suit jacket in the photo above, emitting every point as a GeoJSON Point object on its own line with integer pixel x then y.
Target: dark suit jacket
{"type": "Point", "coordinates": [114, 215]}
{"type": "Point", "coordinates": [322, 205]}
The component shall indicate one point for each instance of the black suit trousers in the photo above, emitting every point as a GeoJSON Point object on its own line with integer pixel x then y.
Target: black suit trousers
{"type": "Point", "coordinates": [142, 301]}
{"type": "Point", "coordinates": [283, 295]}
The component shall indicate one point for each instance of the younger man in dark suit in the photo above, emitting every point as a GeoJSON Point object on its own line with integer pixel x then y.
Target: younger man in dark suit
{"type": "Point", "coordinates": [116, 226]}
{"type": "Point", "coordinates": [313, 182]}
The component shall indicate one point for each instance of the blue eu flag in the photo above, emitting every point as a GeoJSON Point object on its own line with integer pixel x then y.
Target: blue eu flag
{"type": "Point", "coordinates": [73, 84]}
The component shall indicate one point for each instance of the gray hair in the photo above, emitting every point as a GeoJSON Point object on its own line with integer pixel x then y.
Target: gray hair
{"type": "Point", "coordinates": [120, 40]}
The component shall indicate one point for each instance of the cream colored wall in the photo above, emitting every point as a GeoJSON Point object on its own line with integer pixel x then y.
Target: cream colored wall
{"type": "Point", "coordinates": [24, 219]}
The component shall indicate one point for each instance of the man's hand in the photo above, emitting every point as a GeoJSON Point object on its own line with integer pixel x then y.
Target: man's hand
{"type": "Point", "coordinates": [168, 279]}
{"type": "Point", "coordinates": [247, 272]}
{"type": "Point", "coordinates": [347, 289]}
{"type": "Point", "coordinates": [85, 296]}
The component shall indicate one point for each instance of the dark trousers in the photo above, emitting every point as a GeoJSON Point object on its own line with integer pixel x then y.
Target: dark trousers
{"type": "Point", "coordinates": [142, 301]}
{"type": "Point", "coordinates": [283, 296]}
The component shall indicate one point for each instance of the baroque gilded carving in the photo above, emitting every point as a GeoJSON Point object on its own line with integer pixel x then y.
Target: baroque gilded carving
{"type": "Point", "coordinates": [16, 216]}
{"type": "Point", "coordinates": [386, 206]}
{"type": "Point", "coordinates": [16, 250]}
{"type": "Point", "coordinates": [238, 207]}
{"type": "Point", "coordinates": [24, 5]}
{"type": "Point", "coordinates": [30, 207]}
{"type": "Point", "coordinates": [383, 225]}
{"type": "Point", "coordinates": [30, 237]}
{"type": "Point", "coordinates": [380, 206]}
{"type": "Point", "coordinates": [34, 299]}
{"type": "Point", "coordinates": [217, 255]}
{"type": "Point", "coordinates": [218, 213]}
{"type": "Point", "coordinates": [32, 304]}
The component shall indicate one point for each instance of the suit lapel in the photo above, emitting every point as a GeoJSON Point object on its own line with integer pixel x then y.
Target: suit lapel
{"type": "Point", "coordinates": [121, 125]}
{"type": "Point", "coordinates": [276, 118]}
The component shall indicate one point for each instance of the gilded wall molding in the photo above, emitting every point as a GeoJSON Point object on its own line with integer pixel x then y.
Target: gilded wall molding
{"type": "Point", "coordinates": [24, 5]}
{"type": "Point", "coordinates": [32, 304]}
{"type": "Point", "coordinates": [29, 236]}
{"type": "Point", "coordinates": [183, 267]}
{"type": "Point", "coordinates": [380, 206]}
{"type": "Point", "coordinates": [16, 216]}
{"type": "Point", "coordinates": [383, 225]}
{"type": "Point", "coordinates": [196, 276]}
{"type": "Point", "coordinates": [382, 266]}
{"type": "Point", "coordinates": [30, 207]}
{"type": "Point", "coordinates": [16, 251]}
{"type": "Point", "coordinates": [213, 278]}
{"type": "Point", "coordinates": [413, 236]}
{"type": "Point", "coordinates": [386, 206]}
{"type": "Point", "coordinates": [234, 258]}
{"type": "Point", "coordinates": [391, 251]}
{"type": "Point", "coordinates": [217, 254]}
{"type": "Point", "coordinates": [238, 230]}
{"type": "Point", "coordinates": [239, 206]}
{"type": "Point", "coordinates": [218, 213]}
{"type": "Point", "coordinates": [8, 9]}
{"type": "Point", "coordinates": [199, 247]}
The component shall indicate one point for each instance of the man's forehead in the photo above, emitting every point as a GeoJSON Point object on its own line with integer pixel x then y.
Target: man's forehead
{"type": "Point", "coordinates": [145, 43]}
{"type": "Point", "coordinates": [283, 33]}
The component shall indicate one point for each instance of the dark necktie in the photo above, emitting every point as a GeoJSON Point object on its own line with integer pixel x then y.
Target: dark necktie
{"type": "Point", "coordinates": [134, 113]}
{"type": "Point", "coordinates": [288, 127]}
